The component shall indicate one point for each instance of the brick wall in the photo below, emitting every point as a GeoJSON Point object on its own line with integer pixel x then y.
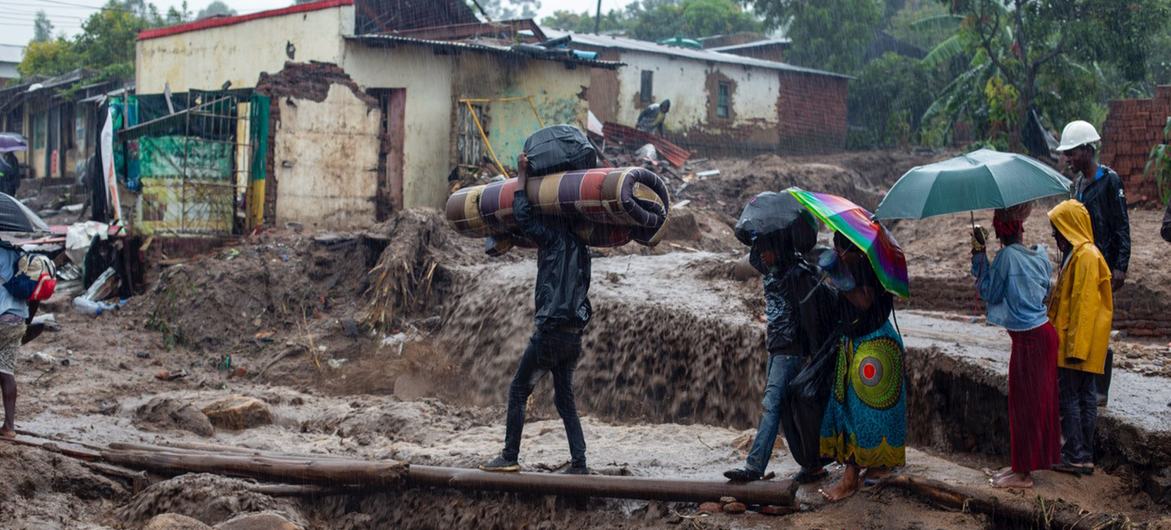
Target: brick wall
{"type": "Point", "coordinates": [812, 112]}
{"type": "Point", "coordinates": [1132, 128]}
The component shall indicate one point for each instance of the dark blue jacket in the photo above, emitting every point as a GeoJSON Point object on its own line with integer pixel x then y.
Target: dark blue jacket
{"type": "Point", "coordinates": [1106, 203]}
{"type": "Point", "coordinates": [563, 269]}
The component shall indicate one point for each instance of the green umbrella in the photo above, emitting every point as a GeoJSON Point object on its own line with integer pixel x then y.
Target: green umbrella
{"type": "Point", "coordinates": [979, 180]}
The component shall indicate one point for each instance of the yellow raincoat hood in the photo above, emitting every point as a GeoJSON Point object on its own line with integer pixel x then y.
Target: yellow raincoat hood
{"type": "Point", "coordinates": [1082, 307]}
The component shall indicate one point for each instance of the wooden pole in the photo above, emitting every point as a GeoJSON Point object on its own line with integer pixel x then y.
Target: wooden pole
{"type": "Point", "coordinates": [1038, 512]}
{"type": "Point", "coordinates": [328, 471]}
{"type": "Point", "coordinates": [780, 493]}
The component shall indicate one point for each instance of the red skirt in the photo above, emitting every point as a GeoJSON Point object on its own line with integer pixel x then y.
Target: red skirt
{"type": "Point", "coordinates": [1033, 416]}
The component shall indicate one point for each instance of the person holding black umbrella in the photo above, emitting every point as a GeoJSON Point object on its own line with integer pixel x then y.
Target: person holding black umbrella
{"type": "Point", "coordinates": [799, 309]}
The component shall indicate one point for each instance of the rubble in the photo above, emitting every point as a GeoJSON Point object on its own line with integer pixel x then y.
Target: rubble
{"type": "Point", "coordinates": [238, 413]}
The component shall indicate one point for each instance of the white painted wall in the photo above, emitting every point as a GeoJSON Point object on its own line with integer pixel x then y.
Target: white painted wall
{"type": "Point", "coordinates": [326, 157]}
{"type": "Point", "coordinates": [427, 78]}
{"type": "Point", "coordinates": [683, 81]}
{"type": "Point", "coordinates": [205, 59]}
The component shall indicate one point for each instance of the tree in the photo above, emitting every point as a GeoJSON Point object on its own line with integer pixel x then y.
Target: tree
{"type": "Point", "coordinates": [826, 34]}
{"type": "Point", "coordinates": [214, 9]}
{"type": "Point", "coordinates": [1026, 42]}
{"type": "Point", "coordinates": [889, 97]}
{"type": "Point", "coordinates": [510, 9]}
{"type": "Point", "coordinates": [48, 58]}
{"type": "Point", "coordinates": [655, 20]}
{"type": "Point", "coordinates": [42, 28]}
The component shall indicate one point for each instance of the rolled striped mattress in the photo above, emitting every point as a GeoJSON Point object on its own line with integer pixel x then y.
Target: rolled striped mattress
{"type": "Point", "coordinates": [608, 206]}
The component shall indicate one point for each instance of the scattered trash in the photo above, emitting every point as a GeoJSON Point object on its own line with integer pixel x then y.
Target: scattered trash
{"type": "Point", "coordinates": [42, 357]}
{"type": "Point", "coordinates": [171, 375]}
{"type": "Point", "coordinates": [264, 336]}
{"type": "Point", "coordinates": [647, 152]}
{"type": "Point", "coordinates": [73, 208]}
{"type": "Point", "coordinates": [708, 173]}
{"type": "Point", "coordinates": [49, 320]}
{"type": "Point", "coordinates": [231, 254]}
{"type": "Point", "coordinates": [142, 355]}
{"type": "Point", "coordinates": [681, 203]}
{"type": "Point", "coordinates": [336, 363]}
{"type": "Point", "coordinates": [86, 306]}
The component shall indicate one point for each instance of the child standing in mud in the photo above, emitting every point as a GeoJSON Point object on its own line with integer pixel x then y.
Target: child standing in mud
{"type": "Point", "coordinates": [1082, 310]}
{"type": "Point", "coordinates": [562, 312]}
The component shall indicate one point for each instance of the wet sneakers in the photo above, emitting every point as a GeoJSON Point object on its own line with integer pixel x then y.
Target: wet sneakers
{"type": "Point", "coordinates": [742, 475]}
{"type": "Point", "coordinates": [501, 465]}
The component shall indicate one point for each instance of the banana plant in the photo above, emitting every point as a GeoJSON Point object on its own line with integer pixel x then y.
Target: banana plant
{"type": "Point", "coordinates": [1159, 164]}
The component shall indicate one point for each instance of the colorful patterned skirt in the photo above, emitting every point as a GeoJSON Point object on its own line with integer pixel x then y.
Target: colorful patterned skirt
{"type": "Point", "coordinates": [865, 422]}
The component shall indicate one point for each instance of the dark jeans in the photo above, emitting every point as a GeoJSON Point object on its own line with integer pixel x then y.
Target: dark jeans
{"type": "Point", "coordinates": [1079, 414]}
{"type": "Point", "coordinates": [1103, 381]}
{"type": "Point", "coordinates": [553, 352]}
{"type": "Point", "coordinates": [781, 370]}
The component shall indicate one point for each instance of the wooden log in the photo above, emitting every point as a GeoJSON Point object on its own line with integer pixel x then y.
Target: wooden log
{"type": "Point", "coordinates": [137, 479]}
{"type": "Point", "coordinates": [63, 448]}
{"type": "Point", "coordinates": [306, 470]}
{"type": "Point", "coordinates": [1038, 513]}
{"type": "Point", "coordinates": [779, 492]}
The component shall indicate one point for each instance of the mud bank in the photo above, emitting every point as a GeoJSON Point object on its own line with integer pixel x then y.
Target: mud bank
{"type": "Point", "coordinates": [958, 376]}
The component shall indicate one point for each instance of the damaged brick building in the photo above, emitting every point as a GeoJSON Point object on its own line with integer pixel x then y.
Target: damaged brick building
{"type": "Point", "coordinates": [372, 102]}
{"type": "Point", "coordinates": [721, 102]}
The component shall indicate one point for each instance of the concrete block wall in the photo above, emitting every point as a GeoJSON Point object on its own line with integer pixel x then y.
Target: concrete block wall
{"type": "Point", "coordinates": [1133, 127]}
{"type": "Point", "coordinates": [812, 112]}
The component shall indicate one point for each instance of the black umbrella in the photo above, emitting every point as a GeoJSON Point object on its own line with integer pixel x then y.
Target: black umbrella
{"type": "Point", "coordinates": [768, 214]}
{"type": "Point", "coordinates": [16, 217]}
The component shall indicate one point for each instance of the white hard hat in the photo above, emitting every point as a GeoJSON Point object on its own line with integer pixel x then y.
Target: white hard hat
{"type": "Point", "coordinates": [1077, 134]}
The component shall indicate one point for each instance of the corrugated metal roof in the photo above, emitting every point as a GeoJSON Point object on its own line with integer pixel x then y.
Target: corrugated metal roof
{"type": "Point", "coordinates": [623, 43]}
{"type": "Point", "coordinates": [11, 53]}
{"type": "Point", "coordinates": [475, 46]}
{"type": "Point", "coordinates": [750, 45]}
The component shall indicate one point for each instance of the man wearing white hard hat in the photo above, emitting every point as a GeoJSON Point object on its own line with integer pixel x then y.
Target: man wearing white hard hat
{"type": "Point", "coordinates": [1099, 188]}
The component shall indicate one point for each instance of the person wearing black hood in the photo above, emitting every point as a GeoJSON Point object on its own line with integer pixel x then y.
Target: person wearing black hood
{"type": "Point", "coordinates": [562, 311]}
{"type": "Point", "coordinates": [799, 309]}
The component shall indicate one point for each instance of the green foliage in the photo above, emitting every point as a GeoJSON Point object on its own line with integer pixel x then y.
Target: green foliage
{"type": "Point", "coordinates": [655, 20]}
{"type": "Point", "coordinates": [214, 9]}
{"type": "Point", "coordinates": [510, 9]}
{"type": "Point", "coordinates": [105, 43]}
{"type": "Point", "coordinates": [42, 28]}
{"type": "Point", "coordinates": [1159, 164]}
{"type": "Point", "coordinates": [889, 97]}
{"type": "Point", "coordinates": [923, 23]}
{"type": "Point", "coordinates": [48, 58]}
{"type": "Point", "coordinates": [827, 34]}
{"type": "Point", "coordinates": [1035, 46]}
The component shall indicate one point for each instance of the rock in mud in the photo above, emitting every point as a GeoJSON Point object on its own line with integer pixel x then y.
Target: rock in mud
{"type": "Point", "coordinates": [174, 521]}
{"type": "Point", "coordinates": [258, 521]}
{"type": "Point", "coordinates": [168, 413]}
{"type": "Point", "coordinates": [211, 499]}
{"type": "Point", "coordinates": [777, 510]}
{"type": "Point", "coordinates": [238, 413]}
{"type": "Point", "coordinates": [711, 507]}
{"type": "Point", "coordinates": [735, 507]}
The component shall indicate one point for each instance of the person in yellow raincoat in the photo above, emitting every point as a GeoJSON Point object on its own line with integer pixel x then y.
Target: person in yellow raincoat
{"type": "Point", "coordinates": [1082, 309]}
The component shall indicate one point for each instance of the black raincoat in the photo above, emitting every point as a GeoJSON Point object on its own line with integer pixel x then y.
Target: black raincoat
{"type": "Point", "coordinates": [1106, 202]}
{"type": "Point", "coordinates": [563, 269]}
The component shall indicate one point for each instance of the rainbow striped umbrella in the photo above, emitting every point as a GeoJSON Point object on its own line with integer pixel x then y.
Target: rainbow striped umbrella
{"type": "Point", "coordinates": [854, 222]}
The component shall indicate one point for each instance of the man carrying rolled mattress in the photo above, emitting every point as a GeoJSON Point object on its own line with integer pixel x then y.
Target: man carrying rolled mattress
{"type": "Point", "coordinates": [562, 312]}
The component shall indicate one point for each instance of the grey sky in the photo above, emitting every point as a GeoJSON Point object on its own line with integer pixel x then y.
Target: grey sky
{"type": "Point", "coordinates": [16, 16]}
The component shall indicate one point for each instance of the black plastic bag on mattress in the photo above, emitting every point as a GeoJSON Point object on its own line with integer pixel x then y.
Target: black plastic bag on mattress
{"type": "Point", "coordinates": [559, 148]}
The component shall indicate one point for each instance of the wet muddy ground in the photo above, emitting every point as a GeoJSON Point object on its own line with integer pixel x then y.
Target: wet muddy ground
{"type": "Point", "coordinates": [669, 387]}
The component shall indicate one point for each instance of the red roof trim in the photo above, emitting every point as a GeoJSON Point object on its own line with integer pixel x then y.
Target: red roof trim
{"type": "Point", "coordinates": [216, 22]}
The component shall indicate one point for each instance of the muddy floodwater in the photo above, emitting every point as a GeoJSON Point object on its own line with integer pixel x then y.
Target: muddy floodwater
{"type": "Point", "coordinates": [669, 384]}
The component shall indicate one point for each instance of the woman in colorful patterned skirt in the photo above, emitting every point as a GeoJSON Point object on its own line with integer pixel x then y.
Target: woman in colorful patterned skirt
{"type": "Point", "coordinates": [865, 423]}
